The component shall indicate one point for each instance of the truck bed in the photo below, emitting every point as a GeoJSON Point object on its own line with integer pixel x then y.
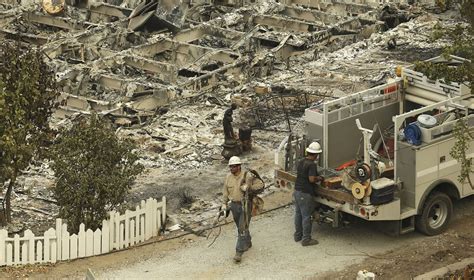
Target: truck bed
{"type": "Point", "coordinates": [336, 195]}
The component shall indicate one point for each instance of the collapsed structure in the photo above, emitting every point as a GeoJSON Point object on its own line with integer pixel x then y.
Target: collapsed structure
{"type": "Point", "coordinates": [118, 61]}
{"type": "Point", "coordinates": [164, 71]}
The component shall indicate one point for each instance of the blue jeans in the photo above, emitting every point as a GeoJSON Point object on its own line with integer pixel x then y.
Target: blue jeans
{"type": "Point", "coordinates": [304, 208]}
{"type": "Point", "coordinates": [244, 240]}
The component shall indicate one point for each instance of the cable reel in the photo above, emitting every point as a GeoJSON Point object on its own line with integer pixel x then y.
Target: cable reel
{"type": "Point", "coordinates": [363, 172]}
{"type": "Point", "coordinates": [359, 191]}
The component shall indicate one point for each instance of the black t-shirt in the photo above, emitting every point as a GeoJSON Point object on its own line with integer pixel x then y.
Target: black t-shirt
{"type": "Point", "coordinates": [305, 169]}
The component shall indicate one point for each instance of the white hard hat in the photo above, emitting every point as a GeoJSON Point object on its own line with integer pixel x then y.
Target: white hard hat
{"type": "Point", "coordinates": [234, 161]}
{"type": "Point", "coordinates": [314, 148]}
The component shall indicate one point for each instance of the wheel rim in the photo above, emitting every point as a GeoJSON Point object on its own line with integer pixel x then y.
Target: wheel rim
{"type": "Point", "coordinates": [438, 214]}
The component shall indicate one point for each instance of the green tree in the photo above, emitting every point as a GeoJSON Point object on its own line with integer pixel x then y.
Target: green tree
{"type": "Point", "coordinates": [94, 171]}
{"type": "Point", "coordinates": [459, 151]}
{"type": "Point", "coordinates": [27, 96]}
{"type": "Point", "coordinates": [462, 36]}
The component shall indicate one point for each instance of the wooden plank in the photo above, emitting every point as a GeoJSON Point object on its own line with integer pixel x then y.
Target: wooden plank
{"type": "Point", "coordinates": [9, 259]}
{"type": "Point", "coordinates": [47, 242]}
{"type": "Point", "coordinates": [39, 251]}
{"type": "Point", "coordinates": [16, 249]}
{"type": "Point", "coordinates": [24, 253]}
{"type": "Point", "coordinates": [53, 251]}
{"type": "Point", "coordinates": [285, 175]}
{"type": "Point", "coordinates": [82, 241]}
{"type": "Point", "coordinates": [133, 231]}
{"type": "Point", "coordinates": [333, 182]}
{"type": "Point", "coordinates": [31, 246]}
{"type": "Point", "coordinates": [148, 219]}
{"type": "Point", "coordinates": [59, 235]}
{"type": "Point", "coordinates": [73, 249]}
{"type": "Point", "coordinates": [105, 248]}
{"type": "Point", "coordinates": [121, 242]}
{"type": "Point", "coordinates": [89, 243]}
{"type": "Point", "coordinates": [154, 228]}
{"type": "Point", "coordinates": [117, 240]}
{"type": "Point", "coordinates": [142, 228]}
{"type": "Point", "coordinates": [127, 228]}
{"type": "Point", "coordinates": [97, 245]}
{"type": "Point", "coordinates": [111, 230]}
{"type": "Point", "coordinates": [3, 242]}
{"type": "Point", "coordinates": [64, 243]}
{"type": "Point", "coordinates": [335, 195]}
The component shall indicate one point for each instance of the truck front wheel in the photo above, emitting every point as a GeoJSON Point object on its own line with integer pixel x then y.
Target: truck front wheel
{"type": "Point", "coordinates": [436, 214]}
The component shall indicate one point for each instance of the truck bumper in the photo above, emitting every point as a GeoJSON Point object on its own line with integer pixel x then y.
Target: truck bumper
{"type": "Point", "coordinates": [384, 212]}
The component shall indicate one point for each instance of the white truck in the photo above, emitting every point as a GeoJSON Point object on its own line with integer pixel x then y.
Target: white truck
{"type": "Point", "coordinates": [386, 153]}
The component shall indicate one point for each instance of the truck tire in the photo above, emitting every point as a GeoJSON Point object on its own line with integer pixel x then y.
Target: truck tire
{"type": "Point", "coordinates": [435, 215]}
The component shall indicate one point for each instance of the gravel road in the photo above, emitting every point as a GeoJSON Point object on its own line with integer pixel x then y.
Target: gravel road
{"type": "Point", "coordinates": [274, 254]}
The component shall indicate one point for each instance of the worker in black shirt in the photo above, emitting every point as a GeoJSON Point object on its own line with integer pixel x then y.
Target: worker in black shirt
{"type": "Point", "coordinates": [306, 178]}
{"type": "Point", "coordinates": [229, 135]}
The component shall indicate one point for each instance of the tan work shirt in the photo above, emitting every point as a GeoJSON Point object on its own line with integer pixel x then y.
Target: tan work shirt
{"type": "Point", "coordinates": [232, 184]}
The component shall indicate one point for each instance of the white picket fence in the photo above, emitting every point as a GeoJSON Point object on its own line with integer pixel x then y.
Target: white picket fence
{"type": "Point", "coordinates": [118, 232]}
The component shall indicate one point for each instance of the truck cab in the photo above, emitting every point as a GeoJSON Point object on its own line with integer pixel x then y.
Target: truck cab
{"type": "Point", "coordinates": [387, 153]}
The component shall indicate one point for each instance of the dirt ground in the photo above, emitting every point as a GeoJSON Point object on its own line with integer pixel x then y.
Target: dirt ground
{"type": "Point", "coordinates": [340, 254]}
{"type": "Point", "coordinates": [424, 255]}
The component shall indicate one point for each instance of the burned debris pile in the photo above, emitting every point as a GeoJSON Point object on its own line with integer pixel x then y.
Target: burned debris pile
{"type": "Point", "coordinates": [164, 72]}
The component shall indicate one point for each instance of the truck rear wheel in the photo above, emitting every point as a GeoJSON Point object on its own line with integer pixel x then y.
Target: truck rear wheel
{"type": "Point", "coordinates": [436, 214]}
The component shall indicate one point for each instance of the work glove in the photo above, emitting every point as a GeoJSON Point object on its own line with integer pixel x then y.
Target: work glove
{"type": "Point", "coordinates": [244, 187]}
{"type": "Point", "coordinates": [224, 207]}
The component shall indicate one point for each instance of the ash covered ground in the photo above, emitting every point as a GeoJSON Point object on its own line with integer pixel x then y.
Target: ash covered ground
{"type": "Point", "coordinates": [167, 85]}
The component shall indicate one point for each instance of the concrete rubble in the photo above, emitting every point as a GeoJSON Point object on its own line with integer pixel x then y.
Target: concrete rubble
{"type": "Point", "coordinates": [164, 73]}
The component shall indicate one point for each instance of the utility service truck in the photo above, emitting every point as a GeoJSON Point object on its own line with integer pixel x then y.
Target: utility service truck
{"type": "Point", "coordinates": [386, 153]}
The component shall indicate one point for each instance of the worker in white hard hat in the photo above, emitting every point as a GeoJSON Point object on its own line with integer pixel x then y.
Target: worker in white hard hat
{"type": "Point", "coordinates": [306, 178]}
{"type": "Point", "coordinates": [236, 184]}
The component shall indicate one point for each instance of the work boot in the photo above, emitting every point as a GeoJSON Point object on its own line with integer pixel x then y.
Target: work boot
{"type": "Point", "coordinates": [249, 245]}
{"type": "Point", "coordinates": [297, 238]}
{"type": "Point", "coordinates": [238, 257]}
{"type": "Point", "coordinates": [309, 242]}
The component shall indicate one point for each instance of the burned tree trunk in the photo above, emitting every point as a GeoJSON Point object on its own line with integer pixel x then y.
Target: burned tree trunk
{"type": "Point", "coordinates": [5, 211]}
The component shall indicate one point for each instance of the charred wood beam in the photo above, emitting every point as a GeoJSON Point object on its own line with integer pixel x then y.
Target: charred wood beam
{"type": "Point", "coordinates": [226, 33]}
{"type": "Point", "coordinates": [199, 32]}
{"type": "Point", "coordinates": [118, 83]}
{"type": "Point", "coordinates": [310, 15]}
{"type": "Point", "coordinates": [353, 8]}
{"type": "Point", "coordinates": [12, 3]}
{"type": "Point", "coordinates": [353, 26]}
{"type": "Point", "coordinates": [190, 35]}
{"type": "Point", "coordinates": [110, 10]}
{"type": "Point", "coordinates": [63, 23]}
{"type": "Point", "coordinates": [335, 7]}
{"type": "Point", "coordinates": [210, 79]}
{"type": "Point", "coordinates": [6, 18]}
{"type": "Point", "coordinates": [130, 88]}
{"type": "Point", "coordinates": [287, 24]}
{"type": "Point", "coordinates": [183, 53]}
{"type": "Point", "coordinates": [152, 49]}
{"type": "Point", "coordinates": [283, 51]}
{"type": "Point", "coordinates": [24, 37]}
{"type": "Point", "coordinates": [320, 36]}
{"type": "Point", "coordinates": [165, 71]}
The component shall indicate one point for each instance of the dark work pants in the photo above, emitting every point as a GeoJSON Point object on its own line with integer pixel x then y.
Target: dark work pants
{"type": "Point", "coordinates": [244, 239]}
{"type": "Point", "coordinates": [304, 208]}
